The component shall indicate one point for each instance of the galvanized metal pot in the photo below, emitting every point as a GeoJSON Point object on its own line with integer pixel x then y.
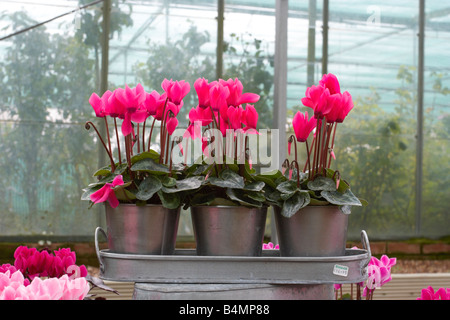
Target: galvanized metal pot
{"type": "Point", "coordinates": [314, 231]}
{"type": "Point", "coordinates": [229, 230]}
{"type": "Point", "coordinates": [149, 229]}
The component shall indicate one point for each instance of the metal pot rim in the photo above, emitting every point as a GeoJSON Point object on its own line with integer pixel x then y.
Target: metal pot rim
{"type": "Point", "coordinates": [224, 206]}
{"type": "Point", "coordinates": [134, 205]}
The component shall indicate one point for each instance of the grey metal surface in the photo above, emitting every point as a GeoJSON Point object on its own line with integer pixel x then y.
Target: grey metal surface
{"type": "Point", "coordinates": [401, 287]}
{"type": "Point", "coordinates": [314, 231]}
{"type": "Point", "coordinates": [184, 266]}
{"type": "Point", "coordinates": [147, 291]}
{"type": "Point", "coordinates": [228, 230]}
{"type": "Point", "coordinates": [150, 229]}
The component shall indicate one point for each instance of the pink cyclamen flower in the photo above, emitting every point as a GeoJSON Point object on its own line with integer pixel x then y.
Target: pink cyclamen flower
{"type": "Point", "coordinates": [346, 106]}
{"type": "Point", "coordinates": [234, 115]}
{"type": "Point", "coordinates": [331, 82]}
{"type": "Point", "coordinates": [106, 193]}
{"type": "Point", "coordinates": [303, 125]}
{"type": "Point", "coordinates": [131, 99]}
{"type": "Point", "coordinates": [250, 119]}
{"type": "Point", "coordinates": [202, 87]}
{"type": "Point", "coordinates": [236, 97]}
{"type": "Point", "coordinates": [12, 287]}
{"type": "Point", "coordinates": [218, 94]}
{"type": "Point", "coordinates": [429, 294]}
{"type": "Point", "coordinates": [154, 102]}
{"type": "Point", "coordinates": [176, 90]}
{"type": "Point", "coordinates": [100, 104]}
{"type": "Point", "coordinates": [270, 246]}
{"type": "Point", "coordinates": [312, 96]}
{"type": "Point", "coordinates": [171, 125]}
{"type": "Point", "coordinates": [6, 266]}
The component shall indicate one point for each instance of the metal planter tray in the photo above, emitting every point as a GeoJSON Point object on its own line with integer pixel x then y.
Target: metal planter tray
{"type": "Point", "coordinates": [184, 266]}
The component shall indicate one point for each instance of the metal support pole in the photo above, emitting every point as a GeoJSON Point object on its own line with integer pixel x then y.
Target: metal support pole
{"type": "Point", "coordinates": [325, 36]}
{"type": "Point", "coordinates": [280, 75]}
{"type": "Point", "coordinates": [104, 80]}
{"type": "Point", "coordinates": [105, 46]}
{"type": "Point", "coordinates": [311, 43]}
{"type": "Point", "coordinates": [219, 53]}
{"type": "Point", "coordinates": [280, 91]}
{"type": "Point", "coordinates": [419, 135]}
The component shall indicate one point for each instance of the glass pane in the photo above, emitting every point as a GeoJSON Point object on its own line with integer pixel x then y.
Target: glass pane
{"type": "Point", "coordinates": [435, 218]}
{"type": "Point", "coordinates": [373, 51]}
{"type": "Point", "coordinates": [47, 154]}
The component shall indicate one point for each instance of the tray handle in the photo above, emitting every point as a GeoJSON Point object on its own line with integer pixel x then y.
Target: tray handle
{"type": "Point", "coordinates": [366, 246]}
{"type": "Point", "coordinates": [97, 250]}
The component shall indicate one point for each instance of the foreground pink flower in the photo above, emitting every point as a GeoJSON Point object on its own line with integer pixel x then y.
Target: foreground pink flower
{"type": "Point", "coordinates": [270, 246]}
{"type": "Point", "coordinates": [106, 193]}
{"type": "Point", "coordinates": [34, 263]}
{"type": "Point", "coordinates": [429, 294]}
{"type": "Point", "coordinates": [12, 287]}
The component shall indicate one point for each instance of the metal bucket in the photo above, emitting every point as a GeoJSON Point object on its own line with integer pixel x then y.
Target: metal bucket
{"type": "Point", "coordinates": [314, 231]}
{"type": "Point", "coordinates": [229, 230]}
{"type": "Point", "coordinates": [149, 229]}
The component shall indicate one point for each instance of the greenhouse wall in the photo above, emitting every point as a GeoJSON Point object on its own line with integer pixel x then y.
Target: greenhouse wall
{"type": "Point", "coordinates": [51, 62]}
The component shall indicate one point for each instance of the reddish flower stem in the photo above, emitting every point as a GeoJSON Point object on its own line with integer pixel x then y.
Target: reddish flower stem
{"type": "Point", "coordinates": [88, 126]}
{"type": "Point", "coordinates": [150, 135]}
{"type": "Point", "coordinates": [332, 142]}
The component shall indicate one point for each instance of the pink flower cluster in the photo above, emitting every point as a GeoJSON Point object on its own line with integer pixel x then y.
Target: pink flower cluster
{"type": "Point", "coordinates": [378, 274]}
{"type": "Point", "coordinates": [327, 101]}
{"type": "Point", "coordinates": [330, 107]}
{"type": "Point", "coordinates": [220, 103]}
{"type": "Point", "coordinates": [136, 105]}
{"type": "Point", "coordinates": [270, 246]}
{"type": "Point", "coordinates": [40, 275]}
{"type": "Point", "coordinates": [13, 286]}
{"type": "Point", "coordinates": [33, 263]}
{"type": "Point", "coordinates": [429, 294]}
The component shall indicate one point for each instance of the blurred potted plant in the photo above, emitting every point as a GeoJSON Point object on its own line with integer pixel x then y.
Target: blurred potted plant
{"type": "Point", "coordinates": [313, 200]}
{"type": "Point", "coordinates": [142, 212]}
{"type": "Point", "coordinates": [229, 210]}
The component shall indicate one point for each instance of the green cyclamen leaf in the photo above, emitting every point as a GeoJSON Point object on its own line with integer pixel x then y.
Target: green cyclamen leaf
{"type": "Point", "coordinates": [322, 183]}
{"type": "Point", "coordinates": [242, 198]}
{"type": "Point", "coordinates": [228, 179]}
{"type": "Point", "coordinates": [288, 186]}
{"type": "Point", "coordinates": [148, 165]}
{"type": "Point", "coordinates": [295, 203]}
{"type": "Point", "coordinates": [255, 186]}
{"type": "Point", "coordinates": [338, 198]}
{"type": "Point", "coordinates": [148, 187]}
{"type": "Point", "coordinates": [190, 183]}
{"type": "Point", "coordinates": [169, 200]}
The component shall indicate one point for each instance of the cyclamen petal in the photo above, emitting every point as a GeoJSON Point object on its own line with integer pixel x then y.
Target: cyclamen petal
{"type": "Point", "coordinates": [118, 181]}
{"type": "Point", "coordinates": [106, 193]}
{"type": "Point", "coordinates": [331, 82]}
{"type": "Point", "coordinates": [171, 125]}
